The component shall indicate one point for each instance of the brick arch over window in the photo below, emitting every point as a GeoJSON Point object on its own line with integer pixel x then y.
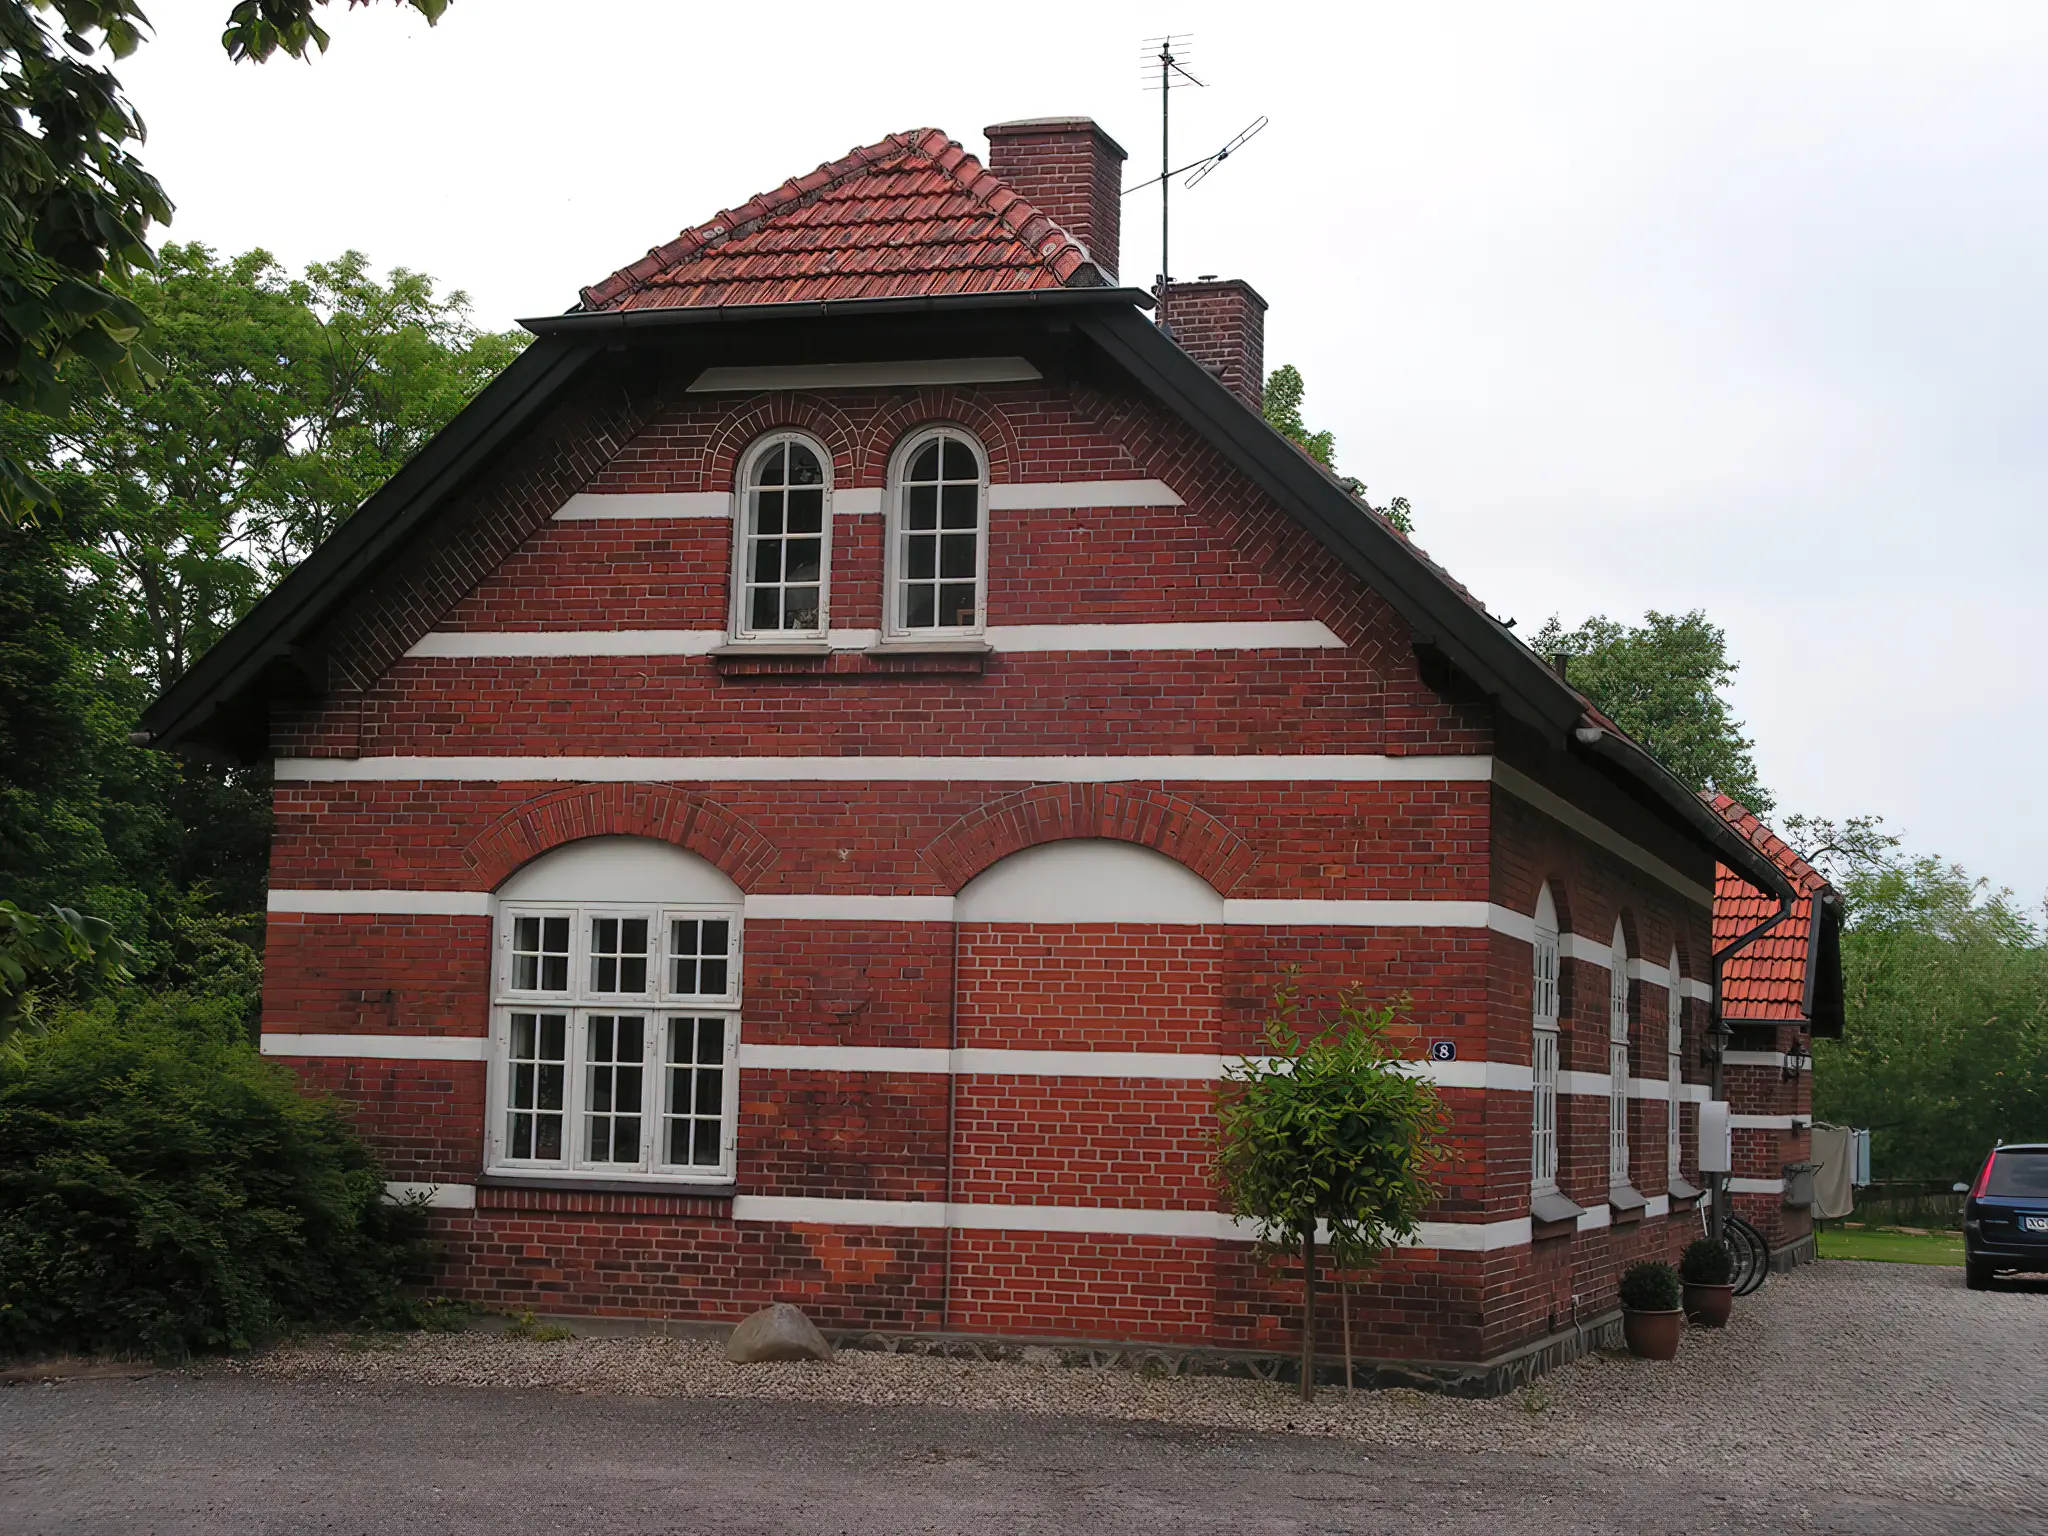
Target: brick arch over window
{"type": "Point", "coordinates": [783, 411]}
{"type": "Point", "coordinates": [1048, 813]}
{"type": "Point", "coordinates": [690, 821]}
{"type": "Point", "coordinates": [940, 407]}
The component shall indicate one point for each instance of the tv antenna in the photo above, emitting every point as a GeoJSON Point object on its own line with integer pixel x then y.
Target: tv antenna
{"type": "Point", "coordinates": [1166, 63]}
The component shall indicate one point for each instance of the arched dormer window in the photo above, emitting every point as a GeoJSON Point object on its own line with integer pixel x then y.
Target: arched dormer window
{"type": "Point", "coordinates": [1543, 1159]}
{"type": "Point", "coordinates": [937, 565]}
{"type": "Point", "coordinates": [782, 540]}
{"type": "Point", "coordinates": [1617, 1060]}
{"type": "Point", "coordinates": [1674, 1070]}
{"type": "Point", "coordinates": [615, 1016]}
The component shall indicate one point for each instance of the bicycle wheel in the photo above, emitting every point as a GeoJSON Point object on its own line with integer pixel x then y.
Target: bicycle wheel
{"type": "Point", "coordinates": [1752, 1255]}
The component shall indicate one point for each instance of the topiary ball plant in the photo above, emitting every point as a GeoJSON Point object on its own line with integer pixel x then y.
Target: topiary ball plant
{"type": "Point", "coordinates": [1650, 1285]}
{"type": "Point", "coordinates": [1707, 1261]}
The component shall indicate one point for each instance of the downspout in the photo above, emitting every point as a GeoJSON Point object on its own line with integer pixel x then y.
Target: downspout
{"type": "Point", "coordinates": [1721, 1034]}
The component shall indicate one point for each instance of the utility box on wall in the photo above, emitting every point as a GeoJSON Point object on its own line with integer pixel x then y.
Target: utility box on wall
{"type": "Point", "coordinates": [1717, 1145]}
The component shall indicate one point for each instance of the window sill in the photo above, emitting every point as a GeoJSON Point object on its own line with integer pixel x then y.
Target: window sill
{"type": "Point", "coordinates": [567, 1183]}
{"type": "Point", "coordinates": [1683, 1190]}
{"type": "Point", "coordinates": [891, 658]}
{"type": "Point", "coordinates": [1626, 1204]}
{"type": "Point", "coordinates": [1553, 1215]}
{"type": "Point", "coordinates": [936, 645]}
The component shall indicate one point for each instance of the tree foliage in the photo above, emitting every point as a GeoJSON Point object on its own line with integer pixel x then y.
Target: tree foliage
{"type": "Point", "coordinates": [1327, 1131]}
{"type": "Point", "coordinates": [1282, 409]}
{"type": "Point", "coordinates": [76, 204]}
{"type": "Point", "coordinates": [1665, 683]}
{"type": "Point", "coordinates": [1945, 1050]}
{"type": "Point", "coordinates": [38, 948]}
{"type": "Point", "coordinates": [281, 401]}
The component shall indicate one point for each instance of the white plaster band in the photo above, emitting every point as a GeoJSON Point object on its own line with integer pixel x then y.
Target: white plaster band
{"type": "Point", "coordinates": [369, 1047]}
{"type": "Point", "coordinates": [383, 903]}
{"type": "Point", "coordinates": [591, 507]}
{"type": "Point", "coordinates": [439, 1197]}
{"type": "Point", "coordinates": [1092, 495]}
{"type": "Point", "coordinates": [1160, 1066]}
{"type": "Point", "coordinates": [1773, 1059]}
{"type": "Point", "coordinates": [1757, 1186]}
{"type": "Point", "coordinates": [1233, 768]}
{"type": "Point", "coordinates": [1023, 639]}
{"type": "Point", "coordinates": [1767, 1122]}
{"type": "Point", "coordinates": [1101, 1221]}
{"type": "Point", "coordinates": [905, 372]}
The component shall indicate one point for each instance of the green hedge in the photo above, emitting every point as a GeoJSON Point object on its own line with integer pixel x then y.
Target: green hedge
{"type": "Point", "coordinates": [165, 1191]}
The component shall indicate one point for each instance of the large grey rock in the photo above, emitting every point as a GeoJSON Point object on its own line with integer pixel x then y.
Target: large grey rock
{"type": "Point", "coordinates": [780, 1332]}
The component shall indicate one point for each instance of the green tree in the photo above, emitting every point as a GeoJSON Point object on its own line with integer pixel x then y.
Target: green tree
{"type": "Point", "coordinates": [1945, 1049]}
{"type": "Point", "coordinates": [279, 404]}
{"type": "Point", "coordinates": [1665, 683]}
{"type": "Point", "coordinates": [53, 947]}
{"type": "Point", "coordinates": [1327, 1129]}
{"type": "Point", "coordinates": [1282, 409]}
{"type": "Point", "coordinates": [76, 204]}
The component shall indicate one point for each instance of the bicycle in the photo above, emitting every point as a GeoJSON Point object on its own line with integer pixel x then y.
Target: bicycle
{"type": "Point", "coordinates": [1746, 1247]}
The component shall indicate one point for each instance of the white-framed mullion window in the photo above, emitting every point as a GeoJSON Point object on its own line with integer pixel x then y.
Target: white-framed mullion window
{"type": "Point", "coordinates": [627, 1067]}
{"type": "Point", "coordinates": [1617, 1061]}
{"type": "Point", "coordinates": [1543, 1158]}
{"type": "Point", "coordinates": [1674, 1069]}
{"type": "Point", "coordinates": [937, 557]}
{"type": "Point", "coordinates": [782, 540]}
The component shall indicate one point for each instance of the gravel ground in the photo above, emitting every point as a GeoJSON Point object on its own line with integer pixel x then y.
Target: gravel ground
{"type": "Point", "coordinates": [1885, 1379]}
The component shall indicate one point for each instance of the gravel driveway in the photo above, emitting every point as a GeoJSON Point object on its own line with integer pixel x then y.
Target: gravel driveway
{"type": "Point", "coordinates": [1845, 1397]}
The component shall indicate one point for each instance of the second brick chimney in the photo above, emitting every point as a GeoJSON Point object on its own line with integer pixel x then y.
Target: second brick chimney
{"type": "Point", "coordinates": [1072, 172]}
{"type": "Point", "coordinates": [1222, 326]}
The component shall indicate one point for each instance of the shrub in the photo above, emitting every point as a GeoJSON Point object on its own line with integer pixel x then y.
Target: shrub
{"type": "Point", "coordinates": [164, 1190]}
{"type": "Point", "coordinates": [1650, 1285]}
{"type": "Point", "coordinates": [1706, 1261]}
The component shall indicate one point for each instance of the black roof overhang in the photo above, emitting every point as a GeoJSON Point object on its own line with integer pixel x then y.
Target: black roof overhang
{"type": "Point", "coordinates": [215, 705]}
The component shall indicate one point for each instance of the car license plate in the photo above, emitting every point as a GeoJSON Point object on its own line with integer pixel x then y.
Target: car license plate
{"type": "Point", "coordinates": [2034, 1223]}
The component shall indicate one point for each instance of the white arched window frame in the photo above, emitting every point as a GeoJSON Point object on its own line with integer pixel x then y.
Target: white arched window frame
{"type": "Point", "coordinates": [782, 540]}
{"type": "Point", "coordinates": [1674, 1070]}
{"type": "Point", "coordinates": [1617, 1060]}
{"type": "Point", "coordinates": [615, 1017]}
{"type": "Point", "coordinates": [936, 563]}
{"type": "Point", "coordinates": [1543, 1047]}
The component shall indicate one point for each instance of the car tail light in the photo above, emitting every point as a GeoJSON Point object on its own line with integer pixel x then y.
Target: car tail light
{"type": "Point", "coordinates": [1984, 1178]}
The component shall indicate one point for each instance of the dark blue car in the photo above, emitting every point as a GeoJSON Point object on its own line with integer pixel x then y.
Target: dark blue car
{"type": "Point", "coordinates": [2005, 1220]}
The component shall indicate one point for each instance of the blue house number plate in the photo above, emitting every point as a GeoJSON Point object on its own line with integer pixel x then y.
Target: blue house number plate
{"type": "Point", "coordinates": [1443, 1050]}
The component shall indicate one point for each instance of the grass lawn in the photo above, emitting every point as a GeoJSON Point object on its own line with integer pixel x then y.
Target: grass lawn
{"type": "Point", "coordinates": [1892, 1247]}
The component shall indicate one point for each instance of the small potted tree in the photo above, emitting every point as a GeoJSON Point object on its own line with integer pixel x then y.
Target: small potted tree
{"type": "Point", "coordinates": [1708, 1269]}
{"type": "Point", "coordinates": [1328, 1132]}
{"type": "Point", "coordinates": [1650, 1315]}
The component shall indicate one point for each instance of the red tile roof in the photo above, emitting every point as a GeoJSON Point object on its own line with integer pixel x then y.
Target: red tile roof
{"type": "Point", "coordinates": [1768, 980]}
{"type": "Point", "coordinates": [915, 214]}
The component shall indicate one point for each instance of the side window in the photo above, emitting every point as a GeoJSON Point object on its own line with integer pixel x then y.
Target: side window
{"type": "Point", "coordinates": [1543, 1048]}
{"type": "Point", "coordinates": [1617, 1060]}
{"type": "Point", "coordinates": [1674, 1069]}
{"type": "Point", "coordinates": [938, 544]}
{"type": "Point", "coordinates": [782, 540]}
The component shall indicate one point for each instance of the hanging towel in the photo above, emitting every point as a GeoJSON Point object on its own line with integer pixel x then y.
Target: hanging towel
{"type": "Point", "coordinates": [1833, 1195]}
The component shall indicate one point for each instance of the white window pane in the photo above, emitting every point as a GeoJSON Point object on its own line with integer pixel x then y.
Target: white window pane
{"type": "Point", "coordinates": [536, 1071]}
{"type": "Point", "coordinates": [698, 1081]}
{"type": "Point", "coordinates": [615, 1053]}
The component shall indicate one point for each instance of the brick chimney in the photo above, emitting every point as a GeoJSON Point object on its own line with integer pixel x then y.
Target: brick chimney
{"type": "Point", "coordinates": [1221, 324]}
{"type": "Point", "coordinates": [1071, 171]}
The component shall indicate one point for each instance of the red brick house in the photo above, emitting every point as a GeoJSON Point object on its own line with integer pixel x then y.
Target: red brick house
{"type": "Point", "coordinates": [799, 790]}
{"type": "Point", "coordinates": [1779, 993]}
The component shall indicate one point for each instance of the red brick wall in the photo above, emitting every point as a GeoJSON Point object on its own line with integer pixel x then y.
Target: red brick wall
{"type": "Point", "coordinates": [1227, 553]}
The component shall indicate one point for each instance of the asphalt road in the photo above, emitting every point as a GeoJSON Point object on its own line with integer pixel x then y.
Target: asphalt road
{"type": "Point", "coordinates": [172, 1454]}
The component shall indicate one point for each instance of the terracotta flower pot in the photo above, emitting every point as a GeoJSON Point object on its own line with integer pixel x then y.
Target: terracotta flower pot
{"type": "Point", "coordinates": [1652, 1335]}
{"type": "Point", "coordinates": [1709, 1305]}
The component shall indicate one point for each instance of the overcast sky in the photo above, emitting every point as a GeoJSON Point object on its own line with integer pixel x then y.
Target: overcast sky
{"type": "Point", "coordinates": [1739, 308]}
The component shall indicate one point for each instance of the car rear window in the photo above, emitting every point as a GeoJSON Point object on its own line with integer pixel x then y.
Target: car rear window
{"type": "Point", "coordinates": [2019, 1174]}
